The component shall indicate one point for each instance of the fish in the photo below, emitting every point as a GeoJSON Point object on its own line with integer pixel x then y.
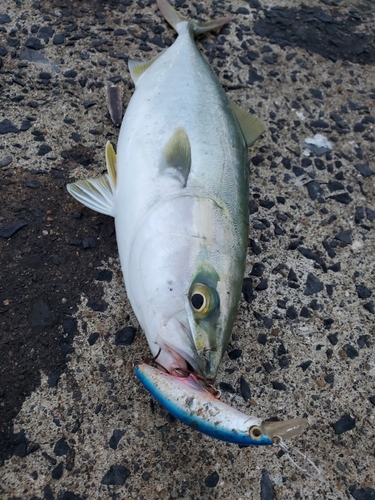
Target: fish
{"type": "Point", "coordinates": [178, 190]}
{"type": "Point", "coordinates": [188, 401]}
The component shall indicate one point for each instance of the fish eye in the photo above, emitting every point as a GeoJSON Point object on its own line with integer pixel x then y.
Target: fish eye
{"type": "Point", "coordinates": [198, 301]}
{"type": "Point", "coordinates": [202, 300]}
{"type": "Point", "coordinates": [255, 432]}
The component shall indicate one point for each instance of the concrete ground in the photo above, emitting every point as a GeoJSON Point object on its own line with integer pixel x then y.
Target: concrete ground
{"type": "Point", "coordinates": [75, 423]}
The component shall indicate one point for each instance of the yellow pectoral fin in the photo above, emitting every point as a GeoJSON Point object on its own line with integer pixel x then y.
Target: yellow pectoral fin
{"type": "Point", "coordinates": [250, 124]}
{"type": "Point", "coordinates": [110, 157]}
{"type": "Point", "coordinates": [177, 156]}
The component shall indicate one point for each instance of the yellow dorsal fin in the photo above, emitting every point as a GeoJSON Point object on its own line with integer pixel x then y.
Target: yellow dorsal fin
{"type": "Point", "coordinates": [250, 125]}
{"type": "Point", "coordinates": [110, 157]}
{"type": "Point", "coordinates": [137, 68]}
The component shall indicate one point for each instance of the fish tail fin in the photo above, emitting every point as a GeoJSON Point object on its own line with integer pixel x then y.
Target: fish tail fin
{"type": "Point", "coordinates": [174, 18]}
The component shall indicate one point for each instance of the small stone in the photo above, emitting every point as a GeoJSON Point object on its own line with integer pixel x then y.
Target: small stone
{"type": "Point", "coordinates": [315, 190]}
{"type": "Point", "coordinates": [332, 337]}
{"type": "Point", "coordinates": [344, 424]}
{"type": "Point", "coordinates": [125, 336]}
{"type": "Point", "coordinates": [42, 316]}
{"type": "Point", "coordinates": [7, 127]}
{"type": "Point", "coordinates": [266, 489]}
{"type": "Point", "coordinates": [362, 493]}
{"type": "Point", "coordinates": [313, 285]}
{"type": "Point", "coordinates": [235, 354]}
{"type": "Point", "coordinates": [364, 169]}
{"type": "Point", "coordinates": [97, 305]}
{"type": "Point", "coordinates": [33, 184]}
{"type": "Point", "coordinates": [104, 275]}
{"type": "Point", "coordinates": [58, 471]}
{"type": "Point", "coordinates": [350, 351]}
{"type": "Point", "coordinates": [257, 269]}
{"type": "Point", "coordinates": [47, 493]}
{"type": "Point", "coordinates": [34, 43]}
{"type": "Point", "coordinates": [93, 338]}
{"type": "Point", "coordinates": [245, 389]}
{"type": "Point", "coordinates": [4, 18]}
{"type": "Point", "coordinates": [212, 479]}
{"type": "Point", "coordinates": [225, 387]}
{"type": "Point", "coordinates": [61, 447]}
{"type": "Point", "coordinates": [305, 313]}
{"type": "Point", "coordinates": [117, 474]}
{"type": "Point", "coordinates": [44, 149]}
{"type": "Point", "coordinates": [7, 160]}
{"type": "Point", "coordinates": [344, 237]}
{"type": "Point", "coordinates": [88, 104]}
{"type": "Point", "coordinates": [343, 198]}
{"type": "Point", "coordinates": [53, 379]}
{"type": "Point", "coordinates": [11, 229]}
{"type": "Point", "coordinates": [115, 438]}
{"type": "Point", "coordinates": [372, 400]}
{"type": "Point", "coordinates": [363, 292]}
{"type": "Point", "coordinates": [247, 290]}
{"type": "Point", "coordinates": [262, 338]}
{"type": "Point", "coordinates": [291, 313]}
{"type": "Point", "coordinates": [58, 39]}
{"type": "Point", "coordinates": [370, 307]}
{"type": "Point", "coordinates": [305, 365]}
{"type": "Point", "coordinates": [279, 386]}
{"type": "Point", "coordinates": [89, 243]}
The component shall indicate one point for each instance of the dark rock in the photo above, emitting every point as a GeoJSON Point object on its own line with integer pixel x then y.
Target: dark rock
{"type": "Point", "coordinates": [42, 316]}
{"type": "Point", "coordinates": [262, 338]}
{"type": "Point", "coordinates": [266, 489]}
{"type": "Point", "coordinates": [53, 379]}
{"type": "Point", "coordinates": [44, 149]}
{"type": "Point", "coordinates": [89, 243]}
{"type": "Point", "coordinates": [93, 338]}
{"type": "Point", "coordinates": [305, 313]}
{"type": "Point", "coordinates": [370, 307]}
{"type": "Point", "coordinates": [117, 475]}
{"type": "Point", "coordinates": [372, 400]}
{"type": "Point", "coordinates": [292, 276]}
{"type": "Point", "coordinates": [98, 305]}
{"type": "Point", "coordinates": [247, 290]}
{"type": "Point", "coordinates": [115, 438]}
{"type": "Point", "coordinates": [268, 204]}
{"type": "Point", "coordinates": [370, 214]}
{"type": "Point", "coordinates": [359, 214]}
{"type": "Point", "coordinates": [47, 492]}
{"type": "Point", "coordinates": [284, 362]}
{"type": "Point", "coordinates": [305, 365]}
{"type": "Point", "coordinates": [318, 124]}
{"type": "Point", "coordinates": [225, 387]}
{"type": "Point", "coordinates": [88, 104]}
{"type": "Point", "coordinates": [363, 292]}
{"type": "Point", "coordinates": [245, 389]}
{"type": "Point", "coordinates": [362, 493]}
{"type": "Point", "coordinates": [212, 479]}
{"type": "Point", "coordinates": [351, 351]}
{"type": "Point", "coordinates": [340, 122]}
{"type": "Point", "coordinates": [5, 18]}
{"type": "Point", "coordinates": [291, 313]}
{"type": "Point", "coordinates": [332, 337]}
{"type": "Point", "coordinates": [61, 447]}
{"type": "Point", "coordinates": [70, 326]}
{"type": "Point", "coordinates": [313, 285]}
{"type": "Point", "coordinates": [343, 198]}
{"type": "Point", "coordinates": [279, 386]}
{"type": "Point", "coordinates": [262, 285]}
{"type": "Point", "coordinates": [58, 39]}
{"type": "Point", "coordinates": [344, 237]}
{"type": "Point", "coordinates": [68, 495]}
{"type": "Point", "coordinates": [21, 450]}
{"type": "Point", "coordinates": [125, 336]}
{"type": "Point", "coordinates": [314, 189]}
{"type": "Point", "coordinates": [104, 275]}
{"type": "Point", "coordinates": [344, 424]}
{"type": "Point", "coordinates": [235, 354]}
{"type": "Point", "coordinates": [11, 229]}
{"type": "Point", "coordinates": [309, 254]}
{"type": "Point", "coordinates": [335, 186]}
{"type": "Point", "coordinates": [57, 472]}
{"type": "Point", "coordinates": [258, 269]}
{"type": "Point", "coordinates": [254, 77]}
{"type": "Point", "coordinates": [363, 341]}
{"type": "Point", "coordinates": [364, 169]}
{"type": "Point", "coordinates": [7, 127]}
{"type": "Point", "coordinates": [7, 160]}
{"type": "Point", "coordinates": [268, 367]}
{"type": "Point", "coordinates": [33, 43]}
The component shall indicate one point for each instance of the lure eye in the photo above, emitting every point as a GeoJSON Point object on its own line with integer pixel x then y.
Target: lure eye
{"type": "Point", "coordinates": [255, 432]}
{"type": "Point", "coordinates": [203, 300]}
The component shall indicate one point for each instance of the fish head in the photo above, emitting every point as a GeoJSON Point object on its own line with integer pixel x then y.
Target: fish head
{"type": "Point", "coordinates": [210, 318]}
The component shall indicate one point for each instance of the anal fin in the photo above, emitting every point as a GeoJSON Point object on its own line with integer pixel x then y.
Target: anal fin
{"type": "Point", "coordinates": [251, 126]}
